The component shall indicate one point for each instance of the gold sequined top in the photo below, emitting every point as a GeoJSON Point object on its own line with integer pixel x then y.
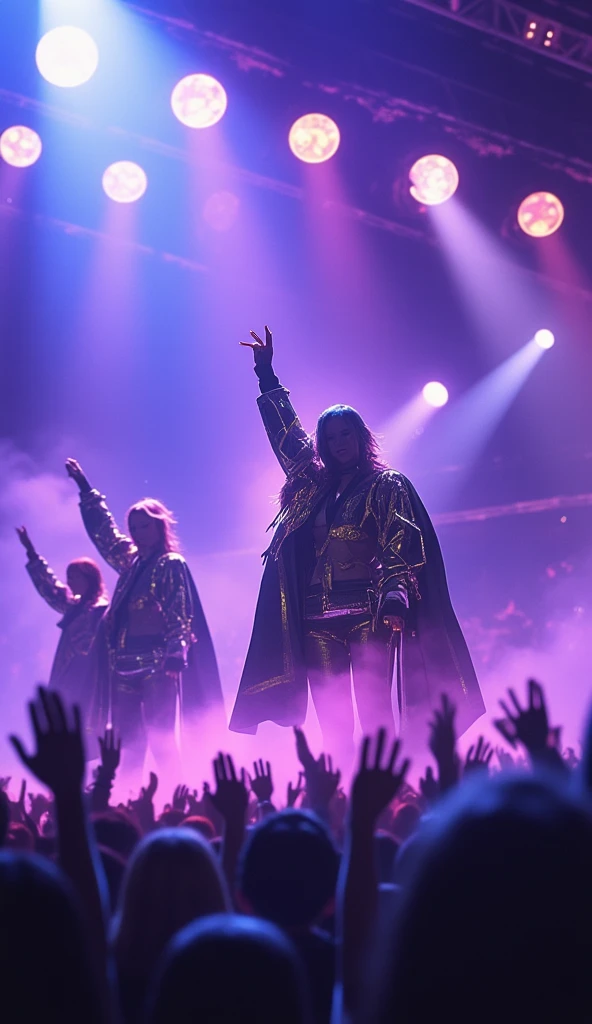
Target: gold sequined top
{"type": "Point", "coordinates": [151, 599]}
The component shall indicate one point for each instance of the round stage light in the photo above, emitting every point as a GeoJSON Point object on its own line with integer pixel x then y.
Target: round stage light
{"type": "Point", "coordinates": [435, 394]}
{"type": "Point", "coordinates": [67, 56]}
{"type": "Point", "coordinates": [314, 138]}
{"type": "Point", "coordinates": [544, 338]}
{"type": "Point", "coordinates": [125, 182]}
{"type": "Point", "coordinates": [20, 146]}
{"type": "Point", "coordinates": [199, 101]}
{"type": "Point", "coordinates": [540, 214]}
{"type": "Point", "coordinates": [434, 179]}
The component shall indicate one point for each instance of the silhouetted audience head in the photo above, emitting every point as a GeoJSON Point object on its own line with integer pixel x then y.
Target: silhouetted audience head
{"type": "Point", "coordinates": [172, 878]}
{"type": "Point", "coordinates": [405, 821]}
{"type": "Point", "coordinates": [230, 970]}
{"type": "Point", "coordinates": [202, 825]}
{"type": "Point", "coordinates": [44, 956]}
{"type": "Point", "coordinates": [288, 869]}
{"type": "Point", "coordinates": [117, 831]}
{"type": "Point", "coordinates": [495, 921]}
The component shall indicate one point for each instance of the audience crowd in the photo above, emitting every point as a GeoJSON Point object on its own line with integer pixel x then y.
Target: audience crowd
{"type": "Point", "coordinates": [467, 898]}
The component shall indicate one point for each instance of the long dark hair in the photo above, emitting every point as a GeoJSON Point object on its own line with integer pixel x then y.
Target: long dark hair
{"type": "Point", "coordinates": [323, 466]}
{"type": "Point", "coordinates": [92, 573]}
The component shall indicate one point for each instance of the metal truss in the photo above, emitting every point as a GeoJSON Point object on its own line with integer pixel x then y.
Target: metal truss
{"type": "Point", "coordinates": [506, 20]}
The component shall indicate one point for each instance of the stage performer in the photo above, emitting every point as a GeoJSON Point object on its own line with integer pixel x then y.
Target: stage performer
{"type": "Point", "coordinates": [82, 603]}
{"type": "Point", "coordinates": [158, 640]}
{"type": "Point", "coordinates": [353, 574]}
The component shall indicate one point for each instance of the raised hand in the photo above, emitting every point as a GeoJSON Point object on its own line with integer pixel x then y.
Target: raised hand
{"type": "Point", "coordinates": [322, 783]}
{"type": "Point", "coordinates": [144, 805]}
{"type": "Point", "coordinates": [262, 783]}
{"type": "Point", "coordinates": [262, 350]}
{"type": "Point", "coordinates": [529, 725]}
{"type": "Point", "coordinates": [75, 471]}
{"type": "Point", "coordinates": [58, 761]}
{"type": "Point", "coordinates": [26, 541]}
{"type": "Point", "coordinates": [428, 786]}
{"type": "Point", "coordinates": [376, 786]}
{"type": "Point", "coordinates": [231, 798]}
{"type": "Point", "coordinates": [305, 756]}
{"type": "Point", "coordinates": [506, 761]}
{"type": "Point", "coordinates": [442, 743]}
{"type": "Point", "coordinates": [295, 791]}
{"type": "Point", "coordinates": [478, 757]}
{"type": "Point", "coordinates": [180, 797]}
{"type": "Point", "coordinates": [110, 751]}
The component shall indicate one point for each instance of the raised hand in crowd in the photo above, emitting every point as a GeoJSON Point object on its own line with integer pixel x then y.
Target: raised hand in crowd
{"type": "Point", "coordinates": [58, 761]}
{"type": "Point", "coordinates": [110, 751]}
{"type": "Point", "coordinates": [261, 781]}
{"type": "Point", "coordinates": [429, 787]}
{"type": "Point", "coordinates": [143, 806]}
{"type": "Point", "coordinates": [76, 473]}
{"type": "Point", "coordinates": [530, 727]}
{"type": "Point", "coordinates": [231, 799]}
{"type": "Point", "coordinates": [295, 791]}
{"type": "Point", "coordinates": [506, 761]}
{"type": "Point", "coordinates": [322, 781]}
{"type": "Point", "coordinates": [442, 743]}
{"type": "Point", "coordinates": [180, 798]}
{"type": "Point", "coordinates": [478, 757]}
{"type": "Point", "coordinates": [376, 784]}
{"type": "Point", "coordinates": [26, 541]}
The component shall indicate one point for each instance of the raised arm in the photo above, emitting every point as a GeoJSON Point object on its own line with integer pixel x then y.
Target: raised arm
{"type": "Point", "coordinates": [116, 548]}
{"type": "Point", "coordinates": [174, 595]}
{"type": "Point", "coordinates": [51, 589]}
{"type": "Point", "coordinates": [292, 445]}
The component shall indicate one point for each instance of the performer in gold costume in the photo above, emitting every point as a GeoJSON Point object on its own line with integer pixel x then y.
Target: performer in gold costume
{"type": "Point", "coordinates": [159, 645]}
{"type": "Point", "coordinates": [82, 603]}
{"type": "Point", "coordinates": [354, 573]}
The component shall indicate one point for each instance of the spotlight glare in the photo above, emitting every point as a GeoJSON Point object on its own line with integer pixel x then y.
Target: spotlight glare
{"type": "Point", "coordinates": [434, 179]}
{"type": "Point", "coordinates": [314, 138]}
{"type": "Point", "coordinates": [67, 56]}
{"type": "Point", "coordinates": [544, 338]}
{"type": "Point", "coordinates": [20, 146]}
{"type": "Point", "coordinates": [435, 394]}
{"type": "Point", "coordinates": [540, 214]}
{"type": "Point", "coordinates": [199, 101]}
{"type": "Point", "coordinates": [125, 182]}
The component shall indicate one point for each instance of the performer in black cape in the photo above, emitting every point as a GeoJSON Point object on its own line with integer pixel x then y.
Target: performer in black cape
{"type": "Point", "coordinates": [354, 574]}
{"type": "Point", "coordinates": [158, 641]}
{"type": "Point", "coordinates": [82, 602]}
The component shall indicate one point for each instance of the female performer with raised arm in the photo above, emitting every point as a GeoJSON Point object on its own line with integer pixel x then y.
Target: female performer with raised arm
{"type": "Point", "coordinates": [354, 572]}
{"type": "Point", "coordinates": [157, 636]}
{"type": "Point", "coordinates": [82, 602]}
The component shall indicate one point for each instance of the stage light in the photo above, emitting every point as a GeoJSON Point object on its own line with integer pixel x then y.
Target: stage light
{"type": "Point", "coordinates": [435, 394]}
{"type": "Point", "coordinates": [125, 182]}
{"type": "Point", "coordinates": [540, 214]}
{"type": "Point", "coordinates": [67, 56]}
{"type": "Point", "coordinates": [434, 179]}
{"type": "Point", "coordinates": [20, 146]}
{"type": "Point", "coordinates": [544, 338]}
{"type": "Point", "coordinates": [199, 101]}
{"type": "Point", "coordinates": [314, 138]}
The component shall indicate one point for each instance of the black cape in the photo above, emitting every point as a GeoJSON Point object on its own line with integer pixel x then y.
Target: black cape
{"type": "Point", "coordinates": [435, 656]}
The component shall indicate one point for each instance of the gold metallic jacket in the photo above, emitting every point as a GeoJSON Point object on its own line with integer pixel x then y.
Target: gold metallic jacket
{"type": "Point", "coordinates": [79, 624]}
{"type": "Point", "coordinates": [163, 588]}
{"type": "Point", "coordinates": [379, 506]}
